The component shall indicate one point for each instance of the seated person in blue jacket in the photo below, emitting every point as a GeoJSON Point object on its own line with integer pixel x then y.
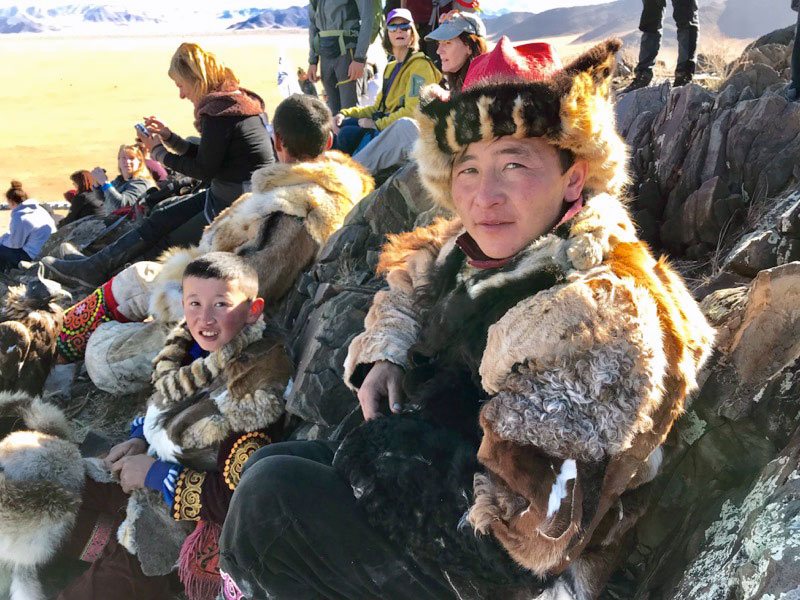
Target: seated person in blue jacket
{"type": "Point", "coordinates": [30, 227]}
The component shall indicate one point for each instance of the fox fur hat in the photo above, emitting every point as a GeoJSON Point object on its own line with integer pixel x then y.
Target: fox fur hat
{"type": "Point", "coordinates": [571, 108]}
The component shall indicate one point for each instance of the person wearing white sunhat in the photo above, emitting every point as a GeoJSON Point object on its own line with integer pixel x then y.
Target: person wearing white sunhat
{"type": "Point", "coordinates": [403, 79]}
{"type": "Point", "coordinates": [461, 37]}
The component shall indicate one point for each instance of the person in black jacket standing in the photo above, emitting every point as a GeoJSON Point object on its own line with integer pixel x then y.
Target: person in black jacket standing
{"type": "Point", "coordinates": [234, 142]}
{"type": "Point", "coordinates": [650, 24]}
{"type": "Point", "coordinates": [87, 202]}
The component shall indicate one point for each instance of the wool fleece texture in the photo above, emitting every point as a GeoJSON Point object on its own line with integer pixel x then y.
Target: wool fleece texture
{"type": "Point", "coordinates": [279, 228]}
{"type": "Point", "coordinates": [42, 475]}
{"type": "Point", "coordinates": [537, 393]}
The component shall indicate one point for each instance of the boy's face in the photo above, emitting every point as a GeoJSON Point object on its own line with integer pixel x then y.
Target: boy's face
{"type": "Point", "coordinates": [510, 191]}
{"type": "Point", "coordinates": [217, 310]}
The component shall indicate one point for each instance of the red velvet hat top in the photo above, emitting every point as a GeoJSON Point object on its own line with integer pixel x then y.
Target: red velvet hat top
{"type": "Point", "coordinates": [527, 62]}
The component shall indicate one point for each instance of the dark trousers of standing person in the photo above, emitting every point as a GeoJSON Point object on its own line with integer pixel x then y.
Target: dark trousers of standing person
{"type": "Point", "coordinates": [795, 85]}
{"type": "Point", "coordinates": [650, 24]}
{"type": "Point", "coordinates": [10, 257]}
{"type": "Point", "coordinates": [334, 71]}
{"type": "Point", "coordinates": [294, 531]}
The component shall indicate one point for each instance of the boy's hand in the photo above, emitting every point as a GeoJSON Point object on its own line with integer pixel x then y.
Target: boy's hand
{"type": "Point", "coordinates": [132, 471]}
{"type": "Point", "coordinates": [381, 386]}
{"type": "Point", "coordinates": [126, 448]}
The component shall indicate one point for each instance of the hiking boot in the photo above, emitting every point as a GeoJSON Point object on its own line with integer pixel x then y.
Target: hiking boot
{"type": "Point", "coordinates": [682, 79]}
{"type": "Point", "coordinates": [98, 268]}
{"type": "Point", "coordinates": [640, 81]}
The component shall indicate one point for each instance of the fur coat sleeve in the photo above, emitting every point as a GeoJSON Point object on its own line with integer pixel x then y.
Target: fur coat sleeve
{"type": "Point", "coordinates": [392, 324]}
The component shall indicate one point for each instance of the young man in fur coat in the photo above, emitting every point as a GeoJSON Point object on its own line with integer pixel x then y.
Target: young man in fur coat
{"type": "Point", "coordinates": [219, 385]}
{"type": "Point", "coordinates": [518, 376]}
{"type": "Point", "coordinates": [279, 229]}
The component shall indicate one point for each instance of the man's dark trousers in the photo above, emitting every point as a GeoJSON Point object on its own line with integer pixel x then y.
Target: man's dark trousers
{"type": "Point", "coordinates": [685, 14]}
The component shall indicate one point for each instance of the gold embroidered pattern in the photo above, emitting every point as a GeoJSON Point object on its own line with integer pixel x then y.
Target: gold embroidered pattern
{"type": "Point", "coordinates": [240, 452]}
{"type": "Point", "coordinates": [187, 495]}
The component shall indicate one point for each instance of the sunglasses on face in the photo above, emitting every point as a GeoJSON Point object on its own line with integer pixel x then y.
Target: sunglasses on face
{"type": "Point", "coordinates": [399, 27]}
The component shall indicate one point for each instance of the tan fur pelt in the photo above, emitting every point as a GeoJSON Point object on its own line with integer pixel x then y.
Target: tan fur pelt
{"type": "Point", "coordinates": [41, 479]}
{"type": "Point", "coordinates": [320, 193]}
{"type": "Point", "coordinates": [584, 123]}
{"type": "Point", "coordinates": [236, 388]}
{"type": "Point", "coordinates": [35, 414]}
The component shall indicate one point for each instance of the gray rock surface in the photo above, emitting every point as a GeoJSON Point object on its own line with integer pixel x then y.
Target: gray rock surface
{"type": "Point", "coordinates": [327, 308]}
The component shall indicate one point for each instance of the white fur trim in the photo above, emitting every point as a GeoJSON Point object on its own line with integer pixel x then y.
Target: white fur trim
{"type": "Point", "coordinates": [558, 492]}
{"type": "Point", "coordinates": [160, 444]}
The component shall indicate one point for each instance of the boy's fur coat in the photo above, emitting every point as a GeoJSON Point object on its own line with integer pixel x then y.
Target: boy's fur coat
{"type": "Point", "coordinates": [539, 391]}
{"type": "Point", "coordinates": [278, 228]}
{"type": "Point", "coordinates": [197, 406]}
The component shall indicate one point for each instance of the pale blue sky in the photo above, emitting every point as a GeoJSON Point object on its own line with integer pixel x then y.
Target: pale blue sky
{"type": "Point", "coordinates": [491, 5]}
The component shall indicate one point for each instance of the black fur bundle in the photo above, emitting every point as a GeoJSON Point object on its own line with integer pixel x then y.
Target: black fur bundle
{"type": "Point", "coordinates": [413, 473]}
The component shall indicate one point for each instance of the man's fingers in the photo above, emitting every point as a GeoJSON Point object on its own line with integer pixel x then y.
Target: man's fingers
{"type": "Point", "coordinates": [369, 403]}
{"type": "Point", "coordinates": [395, 394]}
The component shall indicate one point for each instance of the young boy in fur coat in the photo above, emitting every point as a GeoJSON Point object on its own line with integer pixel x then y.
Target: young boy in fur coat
{"type": "Point", "coordinates": [279, 229]}
{"type": "Point", "coordinates": [219, 385]}
{"type": "Point", "coordinates": [517, 377]}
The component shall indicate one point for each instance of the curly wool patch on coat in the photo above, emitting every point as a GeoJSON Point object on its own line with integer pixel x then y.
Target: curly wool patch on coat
{"type": "Point", "coordinates": [575, 390]}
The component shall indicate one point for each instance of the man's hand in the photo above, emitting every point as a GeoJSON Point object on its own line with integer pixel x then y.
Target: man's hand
{"type": "Point", "coordinates": [132, 471]}
{"type": "Point", "coordinates": [381, 385]}
{"type": "Point", "coordinates": [126, 448]}
{"type": "Point", "coordinates": [312, 73]}
{"type": "Point", "coordinates": [356, 71]}
{"type": "Point", "coordinates": [338, 119]}
{"type": "Point", "coordinates": [366, 123]}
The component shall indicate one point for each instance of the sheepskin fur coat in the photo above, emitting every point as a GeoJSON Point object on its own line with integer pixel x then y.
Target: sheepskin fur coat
{"type": "Point", "coordinates": [538, 395]}
{"type": "Point", "coordinates": [42, 475]}
{"type": "Point", "coordinates": [196, 411]}
{"type": "Point", "coordinates": [279, 228]}
{"type": "Point", "coordinates": [538, 391]}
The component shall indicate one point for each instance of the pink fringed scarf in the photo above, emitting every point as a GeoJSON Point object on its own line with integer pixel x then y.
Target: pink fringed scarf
{"type": "Point", "coordinates": [198, 564]}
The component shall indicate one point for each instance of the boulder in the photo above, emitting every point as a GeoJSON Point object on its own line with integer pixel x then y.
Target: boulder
{"type": "Point", "coordinates": [757, 251]}
{"type": "Point", "coordinates": [630, 106]}
{"type": "Point", "coordinates": [757, 76]}
{"type": "Point", "coordinates": [751, 551]}
{"type": "Point", "coordinates": [326, 309]}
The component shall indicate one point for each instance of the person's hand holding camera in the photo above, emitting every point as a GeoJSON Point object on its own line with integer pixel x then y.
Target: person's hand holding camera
{"type": "Point", "coordinates": [155, 126]}
{"type": "Point", "coordinates": [99, 175]}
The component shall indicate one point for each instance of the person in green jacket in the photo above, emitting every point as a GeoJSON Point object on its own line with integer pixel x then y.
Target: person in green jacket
{"type": "Point", "coordinates": [403, 79]}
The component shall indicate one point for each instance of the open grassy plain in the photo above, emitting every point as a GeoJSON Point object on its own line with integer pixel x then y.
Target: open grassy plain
{"type": "Point", "coordinates": [67, 103]}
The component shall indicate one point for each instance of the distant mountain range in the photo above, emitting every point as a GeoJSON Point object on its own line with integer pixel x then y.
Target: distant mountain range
{"type": "Point", "coordinates": [732, 18]}
{"type": "Point", "coordinates": [742, 19]}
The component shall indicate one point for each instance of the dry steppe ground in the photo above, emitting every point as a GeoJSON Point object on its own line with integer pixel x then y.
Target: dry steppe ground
{"type": "Point", "coordinates": [67, 103]}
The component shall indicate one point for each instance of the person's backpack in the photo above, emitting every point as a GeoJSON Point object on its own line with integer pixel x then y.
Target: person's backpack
{"type": "Point", "coordinates": [378, 25]}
